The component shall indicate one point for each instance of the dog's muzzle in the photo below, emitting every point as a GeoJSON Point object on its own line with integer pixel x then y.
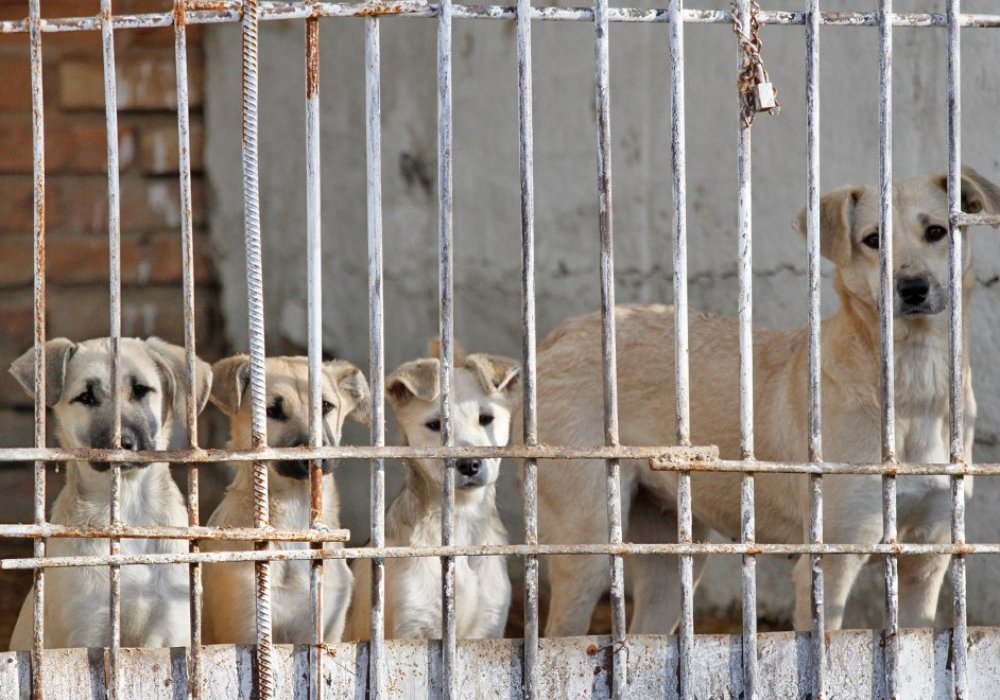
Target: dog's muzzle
{"type": "Point", "coordinates": [299, 468]}
{"type": "Point", "coordinates": [918, 296]}
{"type": "Point", "coordinates": [471, 474]}
{"type": "Point", "coordinates": [131, 442]}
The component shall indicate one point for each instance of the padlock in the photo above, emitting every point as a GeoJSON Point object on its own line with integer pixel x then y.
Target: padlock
{"type": "Point", "coordinates": [764, 92]}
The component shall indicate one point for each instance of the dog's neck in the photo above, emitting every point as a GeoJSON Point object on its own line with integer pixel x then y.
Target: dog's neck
{"type": "Point", "coordinates": [142, 491]}
{"type": "Point", "coordinates": [289, 500]}
{"type": "Point", "coordinates": [428, 495]}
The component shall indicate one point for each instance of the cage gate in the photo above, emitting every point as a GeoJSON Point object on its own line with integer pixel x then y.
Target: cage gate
{"type": "Point", "coordinates": [625, 665]}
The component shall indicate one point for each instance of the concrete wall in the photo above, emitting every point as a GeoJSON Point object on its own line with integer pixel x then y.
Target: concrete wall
{"type": "Point", "coordinates": [487, 229]}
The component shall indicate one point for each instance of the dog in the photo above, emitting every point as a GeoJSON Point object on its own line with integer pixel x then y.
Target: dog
{"type": "Point", "coordinates": [229, 612]}
{"type": "Point", "coordinates": [154, 599]}
{"type": "Point", "coordinates": [485, 391]}
{"type": "Point", "coordinates": [572, 503]}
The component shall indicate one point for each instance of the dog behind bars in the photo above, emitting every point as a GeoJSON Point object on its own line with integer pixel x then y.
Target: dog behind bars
{"type": "Point", "coordinates": [229, 610]}
{"type": "Point", "coordinates": [572, 504]}
{"type": "Point", "coordinates": [485, 392]}
{"type": "Point", "coordinates": [154, 599]}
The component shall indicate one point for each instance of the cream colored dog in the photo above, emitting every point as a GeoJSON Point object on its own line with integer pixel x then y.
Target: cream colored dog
{"type": "Point", "coordinates": [229, 611]}
{"type": "Point", "coordinates": [154, 599]}
{"type": "Point", "coordinates": [572, 504]}
{"type": "Point", "coordinates": [485, 392]}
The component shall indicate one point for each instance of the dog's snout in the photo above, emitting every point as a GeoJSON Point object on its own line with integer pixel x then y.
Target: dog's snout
{"type": "Point", "coordinates": [913, 290]}
{"type": "Point", "coordinates": [128, 443]}
{"type": "Point", "coordinates": [469, 467]}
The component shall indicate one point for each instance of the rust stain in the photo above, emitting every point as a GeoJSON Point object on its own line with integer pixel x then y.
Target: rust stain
{"type": "Point", "coordinates": [377, 8]}
{"type": "Point", "coordinates": [180, 19]}
{"type": "Point", "coordinates": [312, 57]}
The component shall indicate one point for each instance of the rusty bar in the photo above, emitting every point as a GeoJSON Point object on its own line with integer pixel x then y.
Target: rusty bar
{"type": "Point", "coordinates": [962, 219]}
{"type": "Point", "coordinates": [681, 363]}
{"type": "Point", "coordinates": [314, 316]}
{"type": "Point", "coordinates": [115, 292]}
{"type": "Point", "coordinates": [516, 550]}
{"type": "Point", "coordinates": [889, 533]}
{"type": "Point", "coordinates": [193, 533]}
{"type": "Point", "coordinates": [377, 664]}
{"type": "Point", "coordinates": [816, 607]}
{"type": "Point", "coordinates": [526, 142]}
{"type": "Point", "coordinates": [255, 318]}
{"type": "Point", "coordinates": [446, 320]}
{"type": "Point", "coordinates": [190, 404]}
{"type": "Point", "coordinates": [960, 640]}
{"type": "Point", "coordinates": [230, 11]}
{"type": "Point", "coordinates": [745, 303]}
{"type": "Point", "coordinates": [619, 679]}
{"type": "Point", "coordinates": [38, 257]}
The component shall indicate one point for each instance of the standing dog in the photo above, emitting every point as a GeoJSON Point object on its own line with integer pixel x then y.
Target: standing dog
{"type": "Point", "coordinates": [572, 504]}
{"type": "Point", "coordinates": [154, 599]}
{"type": "Point", "coordinates": [485, 392]}
{"type": "Point", "coordinates": [229, 588]}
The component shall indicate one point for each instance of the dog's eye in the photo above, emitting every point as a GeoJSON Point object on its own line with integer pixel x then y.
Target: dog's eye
{"type": "Point", "coordinates": [327, 407]}
{"type": "Point", "coordinates": [485, 419]}
{"type": "Point", "coordinates": [139, 391]}
{"type": "Point", "coordinates": [87, 398]}
{"type": "Point", "coordinates": [871, 240]}
{"type": "Point", "coordinates": [275, 411]}
{"type": "Point", "coordinates": [433, 425]}
{"type": "Point", "coordinates": [935, 233]}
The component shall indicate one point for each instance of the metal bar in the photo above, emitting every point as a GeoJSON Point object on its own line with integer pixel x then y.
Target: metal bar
{"type": "Point", "coordinates": [115, 290]}
{"type": "Point", "coordinates": [314, 315]}
{"type": "Point", "coordinates": [516, 550]}
{"type": "Point", "coordinates": [959, 641]}
{"type": "Point", "coordinates": [962, 219]}
{"type": "Point", "coordinates": [449, 650]}
{"type": "Point", "coordinates": [891, 633]}
{"type": "Point", "coordinates": [377, 674]}
{"type": "Point", "coordinates": [190, 359]}
{"type": "Point", "coordinates": [255, 316]}
{"type": "Point", "coordinates": [231, 12]}
{"type": "Point", "coordinates": [681, 364]}
{"type": "Point", "coordinates": [745, 303]}
{"type": "Point", "coordinates": [193, 533]}
{"type": "Point", "coordinates": [531, 682]}
{"type": "Point", "coordinates": [816, 607]}
{"type": "Point", "coordinates": [38, 258]}
{"type": "Point", "coordinates": [619, 679]}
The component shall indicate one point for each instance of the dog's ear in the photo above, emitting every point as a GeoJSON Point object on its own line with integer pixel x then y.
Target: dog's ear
{"type": "Point", "coordinates": [172, 362]}
{"type": "Point", "coordinates": [351, 382]}
{"type": "Point", "coordinates": [58, 351]}
{"type": "Point", "coordinates": [979, 195]}
{"type": "Point", "coordinates": [415, 379]}
{"type": "Point", "coordinates": [497, 374]}
{"type": "Point", "coordinates": [458, 351]}
{"type": "Point", "coordinates": [836, 213]}
{"type": "Point", "coordinates": [232, 379]}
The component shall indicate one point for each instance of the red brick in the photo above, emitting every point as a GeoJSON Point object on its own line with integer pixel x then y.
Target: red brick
{"type": "Point", "coordinates": [145, 81]}
{"type": "Point", "coordinates": [71, 145]}
{"type": "Point", "coordinates": [158, 153]}
{"type": "Point", "coordinates": [16, 72]}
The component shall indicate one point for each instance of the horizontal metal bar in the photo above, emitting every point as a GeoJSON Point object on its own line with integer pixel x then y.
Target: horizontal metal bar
{"type": "Point", "coordinates": [963, 219]}
{"type": "Point", "coordinates": [223, 12]}
{"type": "Point", "coordinates": [520, 550]}
{"type": "Point", "coordinates": [242, 534]}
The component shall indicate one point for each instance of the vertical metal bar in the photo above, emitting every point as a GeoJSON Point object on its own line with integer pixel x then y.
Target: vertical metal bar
{"type": "Point", "coordinates": [959, 642]}
{"type": "Point", "coordinates": [114, 246]}
{"type": "Point", "coordinates": [681, 365]}
{"type": "Point", "coordinates": [815, 367]}
{"type": "Point", "coordinates": [891, 641]}
{"type": "Point", "coordinates": [38, 167]}
{"type": "Point", "coordinates": [191, 405]}
{"type": "Point", "coordinates": [620, 658]}
{"type": "Point", "coordinates": [745, 276]}
{"type": "Point", "coordinates": [314, 315]}
{"type": "Point", "coordinates": [528, 341]}
{"type": "Point", "coordinates": [255, 315]}
{"type": "Point", "coordinates": [376, 352]}
{"type": "Point", "coordinates": [446, 320]}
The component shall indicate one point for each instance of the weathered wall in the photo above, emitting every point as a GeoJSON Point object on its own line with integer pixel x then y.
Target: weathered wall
{"type": "Point", "coordinates": [487, 232]}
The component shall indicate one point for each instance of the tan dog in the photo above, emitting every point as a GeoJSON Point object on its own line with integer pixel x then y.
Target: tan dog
{"type": "Point", "coordinates": [572, 504]}
{"type": "Point", "coordinates": [229, 588]}
{"type": "Point", "coordinates": [485, 392]}
{"type": "Point", "coordinates": [154, 599]}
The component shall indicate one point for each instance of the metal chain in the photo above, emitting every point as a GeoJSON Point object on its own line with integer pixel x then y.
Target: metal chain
{"type": "Point", "coordinates": [753, 74]}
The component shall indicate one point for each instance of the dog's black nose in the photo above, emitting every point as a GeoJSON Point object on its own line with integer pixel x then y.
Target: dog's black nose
{"type": "Point", "coordinates": [469, 467]}
{"type": "Point", "coordinates": [128, 442]}
{"type": "Point", "coordinates": [913, 290]}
